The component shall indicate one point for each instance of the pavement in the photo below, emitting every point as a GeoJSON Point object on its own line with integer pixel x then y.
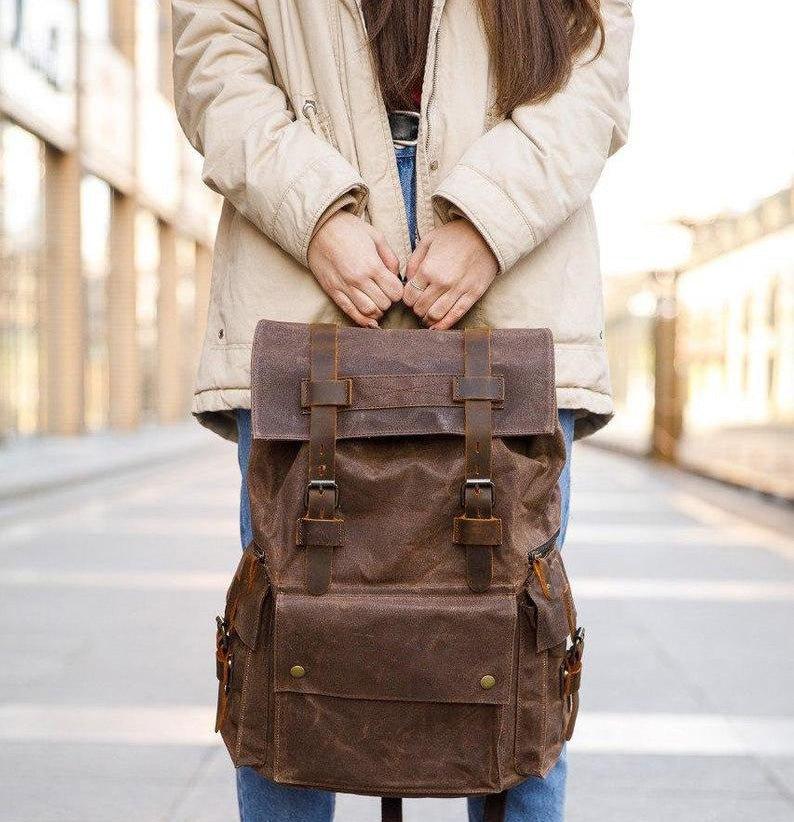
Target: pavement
{"type": "Point", "coordinates": [29, 466]}
{"type": "Point", "coordinates": [109, 587]}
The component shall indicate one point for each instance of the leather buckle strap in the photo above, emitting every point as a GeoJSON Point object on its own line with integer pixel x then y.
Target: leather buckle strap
{"type": "Point", "coordinates": [478, 530]}
{"type": "Point", "coordinates": [321, 529]}
{"type": "Point", "coordinates": [391, 809]}
{"type": "Point", "coordinates": [478, 388]}
{"type": "Point", "coordinates": [326, 392]}
{"type": "Point", "coordinates": [322, 486]}
{"type": "Point", "coordinates": [572, 678]}
{"type": "Point", "coordinates": [477, 486]}
{"type": "Point", "coordinates": [494, 808]}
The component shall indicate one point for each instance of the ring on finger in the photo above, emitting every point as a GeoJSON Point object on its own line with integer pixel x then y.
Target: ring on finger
{"type": "Point", "coordinates": [419, 288]}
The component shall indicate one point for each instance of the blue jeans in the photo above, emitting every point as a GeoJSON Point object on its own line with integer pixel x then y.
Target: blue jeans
{"type": "Point", "coordinates": [406, 169]}
{"type": "Point", "coordinates": [259, 799]}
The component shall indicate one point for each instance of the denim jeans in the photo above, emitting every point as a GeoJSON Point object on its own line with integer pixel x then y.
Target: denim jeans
{"type": "Point", "coordinates": [406, 169]}
{"type": "Point", "coordinates": [259, 799]}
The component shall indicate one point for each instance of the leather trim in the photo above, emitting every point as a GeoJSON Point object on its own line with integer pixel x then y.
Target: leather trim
{"type": "Point", "coordinates": [478, 388]}
{"type": "Point", "coordinates": [485, 532]}
{"type": "Point", "coordinates": [320, 532]}
{"type": "Point", "coordinates": [326, 392]}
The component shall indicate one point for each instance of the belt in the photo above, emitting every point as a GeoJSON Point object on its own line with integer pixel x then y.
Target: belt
{"type": "Point", "coordinates": [404, 127]}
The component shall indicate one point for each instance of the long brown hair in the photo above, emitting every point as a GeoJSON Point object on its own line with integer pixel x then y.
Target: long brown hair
{"type": "Point", "coordinates": [533, 45]}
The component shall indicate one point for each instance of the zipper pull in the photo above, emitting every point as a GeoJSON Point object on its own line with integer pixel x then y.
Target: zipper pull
{"type": "Point", "coordinates": [310, 113]}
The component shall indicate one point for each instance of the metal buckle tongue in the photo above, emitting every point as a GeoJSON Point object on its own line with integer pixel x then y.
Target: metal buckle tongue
{"type": "Point", "coordinates": [476, 484]}
{"type": "Point", "coordinates": [322, 486]}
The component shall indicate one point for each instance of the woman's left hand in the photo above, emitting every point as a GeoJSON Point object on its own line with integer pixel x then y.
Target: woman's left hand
{"type": "Point", "coordinates": [448, 272]}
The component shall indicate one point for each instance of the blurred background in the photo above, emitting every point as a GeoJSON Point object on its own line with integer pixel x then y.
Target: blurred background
{"type": "Point", "coordinates": [118, 513]}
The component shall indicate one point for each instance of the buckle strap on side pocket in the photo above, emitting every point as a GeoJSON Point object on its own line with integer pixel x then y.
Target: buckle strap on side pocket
{"type": "Point", "coordinates": [572, 679]}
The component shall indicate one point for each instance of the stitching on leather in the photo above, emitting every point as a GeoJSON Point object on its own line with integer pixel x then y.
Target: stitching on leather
{"type": "Point", "coordinates": [243, 705]}
{"type": "Point", "coordinates": [544, 707]}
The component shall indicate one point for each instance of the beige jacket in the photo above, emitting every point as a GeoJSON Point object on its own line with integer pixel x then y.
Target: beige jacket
{"type": "Point", "coordinates": [281, 99]}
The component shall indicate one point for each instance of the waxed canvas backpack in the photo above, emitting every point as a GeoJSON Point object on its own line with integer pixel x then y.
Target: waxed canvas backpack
{"type": "Point", "coordinates": [402, 624]}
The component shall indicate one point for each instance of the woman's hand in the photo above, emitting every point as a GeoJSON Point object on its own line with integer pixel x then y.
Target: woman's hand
{"type": "Point", "coordinates": [448, 272]}
{"type": "Point", "coordinates": [355, 267]}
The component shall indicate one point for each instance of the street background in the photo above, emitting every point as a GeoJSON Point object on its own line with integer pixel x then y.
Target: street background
{"type": "Point", "coordinates": [116, 544]}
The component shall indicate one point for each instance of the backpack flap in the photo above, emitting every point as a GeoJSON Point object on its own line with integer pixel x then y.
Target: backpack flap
{"type": "Point", "coordinates": [401, 382]}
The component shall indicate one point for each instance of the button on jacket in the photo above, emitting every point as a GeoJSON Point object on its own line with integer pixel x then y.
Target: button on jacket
{"type": "Point", "coordinates": [282, 100]}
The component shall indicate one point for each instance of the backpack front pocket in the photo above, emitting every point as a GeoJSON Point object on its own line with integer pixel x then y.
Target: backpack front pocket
{"type": "Point", "coordinates": [392, 690]}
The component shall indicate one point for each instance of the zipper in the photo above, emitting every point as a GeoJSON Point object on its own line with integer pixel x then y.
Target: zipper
{"type": "Point", "coordinates": [425, 121]}
{"type": "Point", "coordinates": [432, 93]}
{"type": "Point", "coordinates": [309, 110]}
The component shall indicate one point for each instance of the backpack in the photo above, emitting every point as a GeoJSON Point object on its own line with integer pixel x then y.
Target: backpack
{"type": "Point", "coordinates": [402, 624]}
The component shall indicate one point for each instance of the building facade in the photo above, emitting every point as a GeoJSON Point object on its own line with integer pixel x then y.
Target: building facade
{"type": "Point", "coordinates": [702, 357]}
{"type": "Point", "coordinates": [105, 225]}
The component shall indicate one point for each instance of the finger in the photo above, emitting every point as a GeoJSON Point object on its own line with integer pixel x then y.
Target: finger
{"type": "Point", "coordinates": [364, 303]}
{"type": "Point", "coordinates": [418, 257]}
{"type": "Point", "coordinates": [376, 294]}
{"type": "Point", "coordinates": [413, 291]}
{"type": "Point", "coordinates": [385, 252]}
{"type": "Point", "coordinates": [390, 285]}
{"type": "Point", "coordinates": [427, 298]}
{"type": "Point", "coordinates": [346, 304]}
{"type": "Point", "coordinates": [439, 309]}
{"type": "Point", "coordinates": [456, 313]}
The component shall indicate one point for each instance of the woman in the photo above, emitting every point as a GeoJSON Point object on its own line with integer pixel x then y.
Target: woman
{"type": "Point", "coordinates": [403, 162]}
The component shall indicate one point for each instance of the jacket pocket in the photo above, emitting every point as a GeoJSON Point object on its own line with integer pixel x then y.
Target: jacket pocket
{"type": "Point", "coordinates": [544, 704]}
{"type": "Point", "coordinates": [350, 696]}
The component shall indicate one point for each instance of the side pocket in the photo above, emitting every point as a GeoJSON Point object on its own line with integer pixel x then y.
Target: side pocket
{"type": "Point", "coordinates": [239, 650]}
{"type": "Point", "coordinates": [548, 671]}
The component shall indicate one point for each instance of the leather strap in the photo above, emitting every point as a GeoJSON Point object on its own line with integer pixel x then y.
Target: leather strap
{"type": "Point", "coordinates": [321, 529]}
{"type": "Point", "coordinates": [391, 809]}
{"type": "Point", "coordinates": [477, 529]}
{"type": "Point", "coordinates": [494, 810]}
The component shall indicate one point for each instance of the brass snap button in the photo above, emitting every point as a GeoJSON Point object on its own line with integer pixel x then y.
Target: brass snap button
{"type": "Point", "coordinates": [487, 682]}
{"type": "Point", "coordinates": [297, 671]}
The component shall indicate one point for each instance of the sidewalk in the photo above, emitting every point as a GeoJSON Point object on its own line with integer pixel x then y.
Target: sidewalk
{"type": "Point", "coordinates": [31, 466]}
{"type": "Point", "coordinates": [685, 587]}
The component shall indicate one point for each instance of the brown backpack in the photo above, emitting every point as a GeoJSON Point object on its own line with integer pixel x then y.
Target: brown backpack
{"type": "Point", "coordinates": [402, 624]}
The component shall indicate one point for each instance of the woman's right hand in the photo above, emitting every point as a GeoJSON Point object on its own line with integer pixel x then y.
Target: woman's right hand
{"type": "Point", "coordinates": [356, 268]}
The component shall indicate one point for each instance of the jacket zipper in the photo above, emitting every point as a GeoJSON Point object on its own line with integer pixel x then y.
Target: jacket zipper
{"type": "Point", "coordinates": [309, 110]}
{"type": "Point", "coordinates": [425, 122]}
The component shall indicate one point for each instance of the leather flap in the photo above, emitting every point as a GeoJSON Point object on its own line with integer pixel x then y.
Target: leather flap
{"type": "Point", "coordinates": [399, 647]}
{"type": "Point", "coordinates": [246, 596]}
{"type": "Point", "coordinates": [547, 587]}
{"type": "Point", "coordinates": [403, 382]}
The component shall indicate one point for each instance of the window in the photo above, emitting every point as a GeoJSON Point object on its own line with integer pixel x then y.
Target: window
{"type": "Point", "coordinates": [95, 205]}
{"type": "Point", "coordinates": [22, 249]}
{"type": "Point", "coordinates": [147, 260]}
